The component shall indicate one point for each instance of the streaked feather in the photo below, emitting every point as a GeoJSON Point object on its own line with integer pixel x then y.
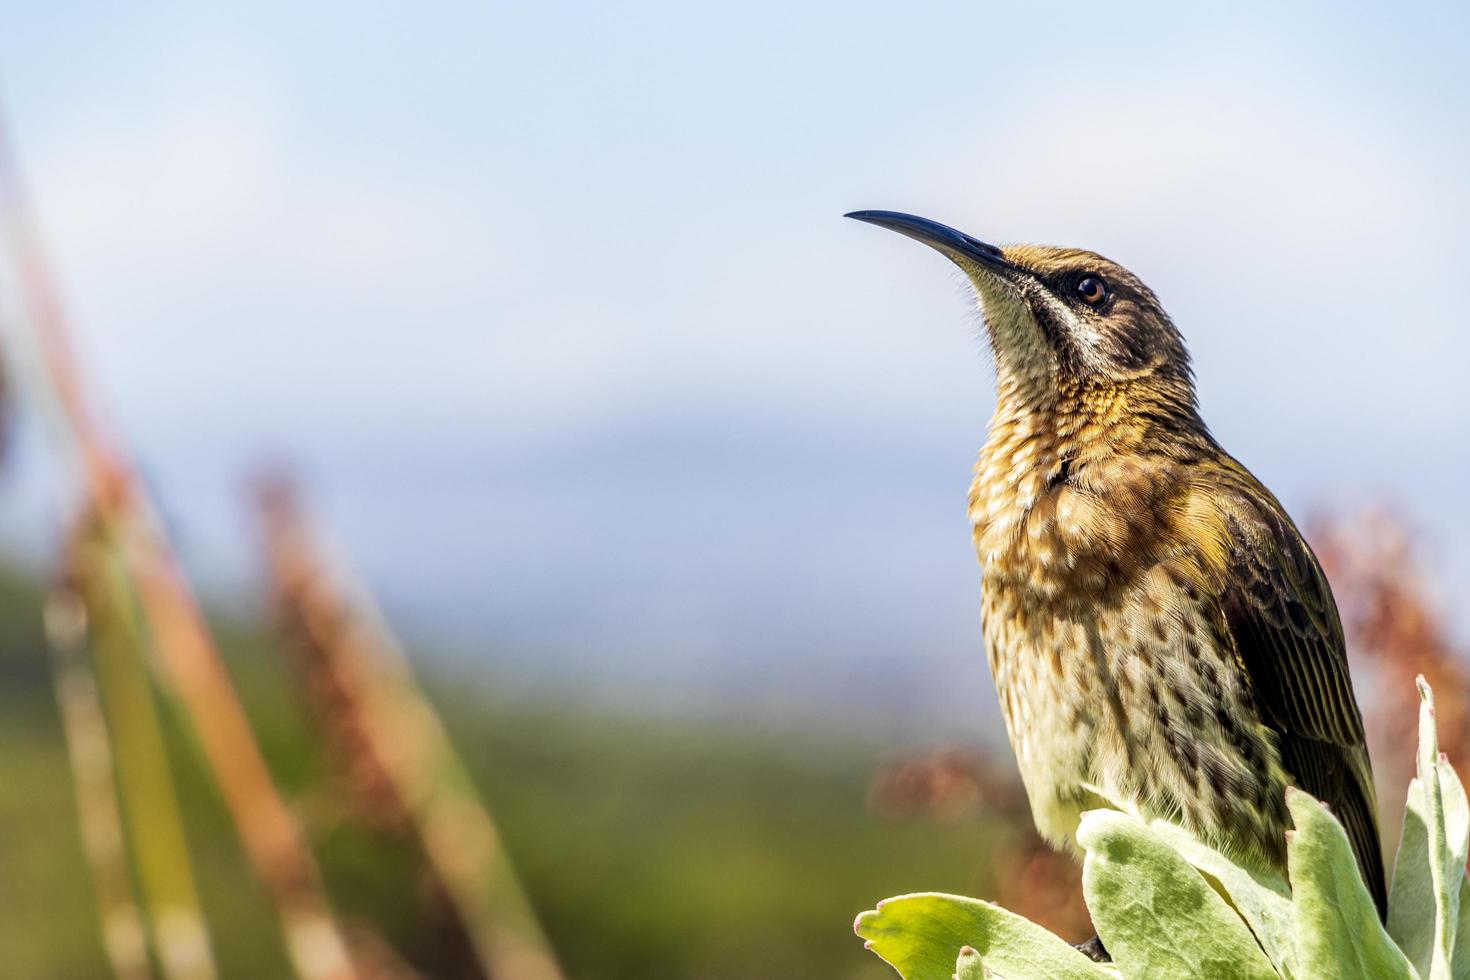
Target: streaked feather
{"type": "Point", "coordinates": [1287, 634]}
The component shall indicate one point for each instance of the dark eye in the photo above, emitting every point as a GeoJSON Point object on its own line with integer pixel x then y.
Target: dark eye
{"type": "Point", "coordinates": [1093, 290]}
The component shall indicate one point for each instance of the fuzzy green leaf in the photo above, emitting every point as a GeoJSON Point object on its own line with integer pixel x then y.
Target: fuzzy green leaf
{"type": "Point", "coordinates": [1260, 896]}
{"type": "Point", "coordinates": [1337, 928]}
{"type": "Point", "coordinates": [1156, 914]}
{"type": "Point", "coordinates": [970, 966]}
{"type": "Point", "coordinates": [1444, 874]}
{"type": "Point", "coordinates": [1460, 962]}
{"type": "Point", "coordinates": [1424, 902]}
{"type": "Point", "coordinates": [1412, 904]}
{"type": "Point", "coordinates": [922, 935]}
{"type": "Point", "coordinates": [1456, 827]}
{"type": "Point", "coordinates": [1411, 897]}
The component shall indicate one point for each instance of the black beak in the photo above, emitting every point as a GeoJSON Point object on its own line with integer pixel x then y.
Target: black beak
{"type": "Point", "coordinates": [955, 244]}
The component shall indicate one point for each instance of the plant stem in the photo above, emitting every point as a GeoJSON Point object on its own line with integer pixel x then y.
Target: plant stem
{"type": "Point", "coordinates": [396, 727]}
{"type": "Point", "coordinates": [89, 750]}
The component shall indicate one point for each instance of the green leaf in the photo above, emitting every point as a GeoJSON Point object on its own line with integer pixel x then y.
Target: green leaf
{"type": "Point", "coordinates": [1456, 827]}
{"type": "Point", "coordinates": [1259, 895]}
{"type": "Point", "coordinates": [1424, 906]}
{"type": "Point", "coordinates": [970, 965]}
{"type": "Point", "coordinates": [921, 936]}
{"type": "Point", "coordinates": [1411, 897]}
{"type": "Point", "coordinates": [1412, 903]}
{"type": "Point", "coordinates": [1337, 928]}
{"type": "Point", "coordinates": [1156, 914]}
{"type": "Point", "coordinates": [1444, 874]}
{"type": "Point", "coordinates": [1460, 962]}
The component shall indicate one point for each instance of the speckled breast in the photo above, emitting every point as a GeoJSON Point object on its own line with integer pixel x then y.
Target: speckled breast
{"type": "Point", "coordinates": [1111, 668]}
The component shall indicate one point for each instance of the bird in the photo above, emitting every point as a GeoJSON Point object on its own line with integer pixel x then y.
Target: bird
{"type": "Point", "coordinates": [1160, 634]}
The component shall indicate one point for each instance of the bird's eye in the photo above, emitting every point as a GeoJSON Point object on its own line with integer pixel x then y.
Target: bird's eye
{"type": "Point", "coordinates": [1093, 290]}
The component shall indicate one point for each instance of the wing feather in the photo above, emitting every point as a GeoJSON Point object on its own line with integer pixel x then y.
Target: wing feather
{"type": "Point", "coordinates": [1281, 617]}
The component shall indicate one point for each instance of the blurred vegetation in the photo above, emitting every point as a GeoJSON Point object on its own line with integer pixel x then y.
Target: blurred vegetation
{"type": "Point", "coordinates": [651, 848]}
{"type": "Point", "coordinates": [321, 802]}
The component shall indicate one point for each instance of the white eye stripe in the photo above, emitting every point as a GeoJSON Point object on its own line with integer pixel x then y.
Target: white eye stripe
{"type": "Point", "coordinates": [1081, 331]}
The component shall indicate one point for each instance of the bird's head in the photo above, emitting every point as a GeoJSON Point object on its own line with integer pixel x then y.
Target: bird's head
{"type": "Point", "coordinates": [1060, 317]}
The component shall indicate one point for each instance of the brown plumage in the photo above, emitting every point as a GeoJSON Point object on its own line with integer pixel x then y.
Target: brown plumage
{"type": "Point", "coordinates": [1160, 634]}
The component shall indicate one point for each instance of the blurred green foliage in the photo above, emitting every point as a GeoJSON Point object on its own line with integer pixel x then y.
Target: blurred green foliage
{"type": "Point", "coordinates": [652, 848]}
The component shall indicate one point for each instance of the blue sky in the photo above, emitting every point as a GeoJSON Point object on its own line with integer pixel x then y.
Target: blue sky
{"type": "Point", "coordinates": [554, 305]}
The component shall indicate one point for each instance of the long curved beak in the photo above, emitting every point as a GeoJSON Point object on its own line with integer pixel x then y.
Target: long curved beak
{"type": "Point", "coordinates": [955, 244]}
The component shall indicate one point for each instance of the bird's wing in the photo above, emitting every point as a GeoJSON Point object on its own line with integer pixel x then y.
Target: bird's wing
{"type": "Point", "coordinates": [1280, 615]}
